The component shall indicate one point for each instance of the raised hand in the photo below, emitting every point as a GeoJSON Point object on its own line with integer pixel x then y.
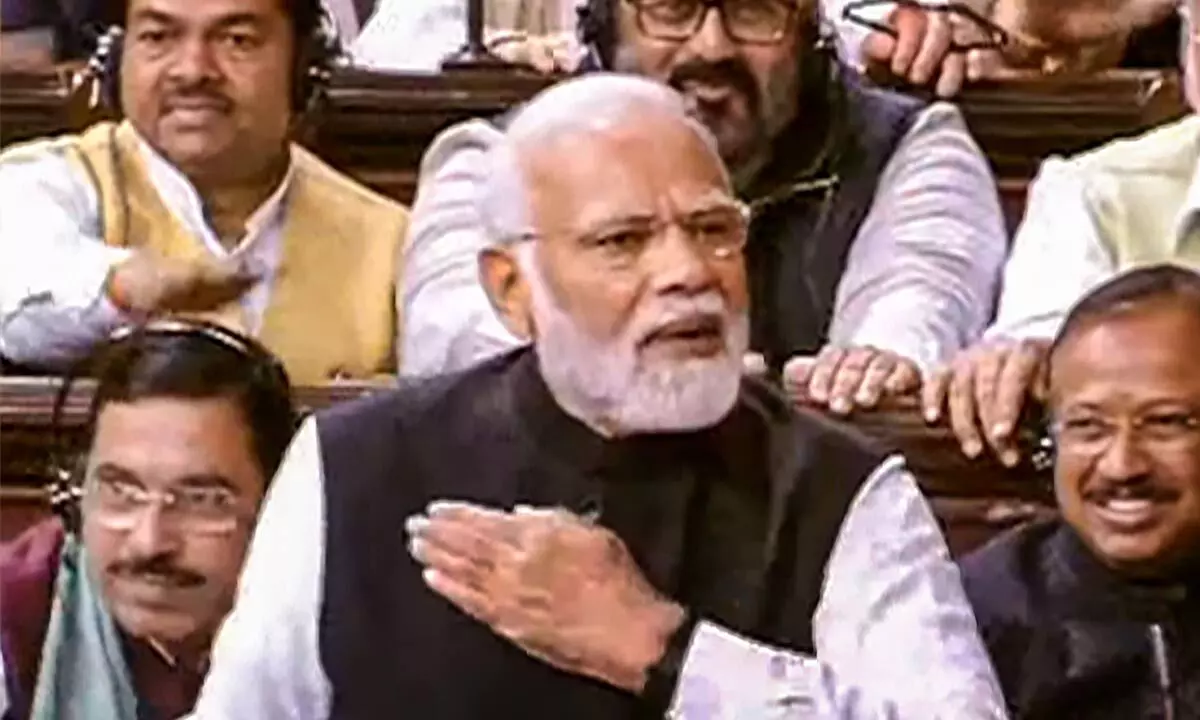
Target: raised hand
{"type": "Point", "coordinates": [564, 590]}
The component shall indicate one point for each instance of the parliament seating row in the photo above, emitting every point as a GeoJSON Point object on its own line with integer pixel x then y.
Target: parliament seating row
{"type": "Point", "coordinates": [376, 127]}
{"type": "Point", "coordinates": [974, 499]}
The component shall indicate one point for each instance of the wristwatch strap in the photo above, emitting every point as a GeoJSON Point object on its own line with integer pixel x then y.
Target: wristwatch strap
{"type": "Point", "coordinates": [663, 677]}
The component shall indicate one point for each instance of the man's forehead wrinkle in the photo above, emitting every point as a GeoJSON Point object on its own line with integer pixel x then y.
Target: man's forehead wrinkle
{"type": "Point", "coordinates": [577, 205]}
{"type": "Point", "coordinates": [712, 199]}
{"type": "Point", "coordinates": [584, 176]}
{"type": "Point", "coordinates": [562, 170]}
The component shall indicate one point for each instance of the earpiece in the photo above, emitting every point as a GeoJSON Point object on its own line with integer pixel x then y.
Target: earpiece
{"type": "Point", "coordinates": [595, 27]}
{"type": "Point", "coordinates": [103, 67]}
{"type": "Point", "coordinates": [315, 64]}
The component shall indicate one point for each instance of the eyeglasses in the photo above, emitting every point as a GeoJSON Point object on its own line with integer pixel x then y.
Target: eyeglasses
{"type": "Point", "coordinates": [974, 32]}
{"type": "Point", "coordinates": [120, 506]}
{"type": "Point", "coordinates": [1092, 435]}
{"type": "Point", "coordinates": [749, 22]}
{"type": "Point", "coordinates": [717, 234]}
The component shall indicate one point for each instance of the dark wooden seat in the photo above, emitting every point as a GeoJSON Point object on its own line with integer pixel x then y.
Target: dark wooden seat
{"type": "Point", "coordinates": [376, 126]}
{"type": "Point", "coordinates": [974, 499]}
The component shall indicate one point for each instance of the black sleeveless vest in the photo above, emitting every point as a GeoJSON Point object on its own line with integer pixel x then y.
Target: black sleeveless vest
{"type": "Point", "coordinates": [809, 204]}
{"type": "Point", "coordinates": [769, 490]}
{"type": "Point", "coordinates": [1070, 638]}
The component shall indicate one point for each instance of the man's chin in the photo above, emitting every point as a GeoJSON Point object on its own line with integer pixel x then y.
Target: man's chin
{"type": "Point", "coordinates": [735, 142]}
{"type": "Point", "coordinates": [187, 150]}
{"type": "Point", "coordinates": [680, 396]}
{"type": "Point", "coordinates": [680, 351]}
{"type": "Point", "coordinates": [172, 626]}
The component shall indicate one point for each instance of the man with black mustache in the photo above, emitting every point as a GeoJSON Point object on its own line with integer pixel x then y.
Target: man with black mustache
{"type": "Point", "coordinates": [198, 202]}
{"type": "Point", "coordinates": [1097, 616]}
{"type": "Point", "coordinates": [109, 613]}
{"type": "Point", "coordinates": [876, 236]}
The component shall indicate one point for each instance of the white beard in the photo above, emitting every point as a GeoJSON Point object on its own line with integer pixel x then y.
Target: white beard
{"type": "Point", "coordinates": [611, 388]}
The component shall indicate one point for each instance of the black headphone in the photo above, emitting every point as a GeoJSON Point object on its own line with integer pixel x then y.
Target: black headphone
{"type": "Point", "coordinates": [596, 29]}
{"type": "Point", "coordinates": [316, 58]}
{"type": "Point", "coordinates": [67, 466]}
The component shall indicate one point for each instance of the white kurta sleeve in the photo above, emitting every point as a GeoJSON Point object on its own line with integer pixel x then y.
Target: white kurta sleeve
{"type": "Point", "coordinates": [266, 661]}
{"type": "Point", "coordinates": [53, 262]}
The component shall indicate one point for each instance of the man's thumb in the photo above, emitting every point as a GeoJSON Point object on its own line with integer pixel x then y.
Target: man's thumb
{"type": "Point", "coordinates": [878, 48]}
{"type": "Point", "coordinates": [797, 370]}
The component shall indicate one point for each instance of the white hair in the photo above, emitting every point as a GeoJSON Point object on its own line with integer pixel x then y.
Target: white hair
{"type": "Point", "coordinates": [591, 103]}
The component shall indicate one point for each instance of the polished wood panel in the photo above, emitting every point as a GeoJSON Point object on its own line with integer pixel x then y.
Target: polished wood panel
{"type": "Point", "coordinates": [973, 499]}
{"type": "Point", "coordinates": [376, 126]}
{"type": "Point", "coordinates": [1019, 121]}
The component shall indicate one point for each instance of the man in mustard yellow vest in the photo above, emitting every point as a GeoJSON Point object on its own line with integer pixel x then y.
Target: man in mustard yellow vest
{"type": "Point", "coordinates": [1131, 203]}
{"type": "Point", "coordinates": [198, 202]}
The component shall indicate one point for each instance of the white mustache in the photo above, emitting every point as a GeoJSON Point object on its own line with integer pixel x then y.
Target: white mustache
{"type": "Point", "coordinates": [661, 312]}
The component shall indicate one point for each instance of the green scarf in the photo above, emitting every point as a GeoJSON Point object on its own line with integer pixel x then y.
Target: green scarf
{"type": "Point", "coordinates": [83, 675]}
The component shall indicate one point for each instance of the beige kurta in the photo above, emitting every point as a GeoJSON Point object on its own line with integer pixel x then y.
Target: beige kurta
{"type": "Point", "coordinates": [1136, 191]}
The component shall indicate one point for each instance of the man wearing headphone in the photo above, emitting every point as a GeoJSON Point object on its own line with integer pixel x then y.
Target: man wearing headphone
{"type": "Point", "coordinates": [876, 238]}
{"type": "Point", "coordinates": [109, 612]}
{"type": "Point", "coordinates": [1096, 615]}
{"type": "Point", "coordinates": [198, 201]}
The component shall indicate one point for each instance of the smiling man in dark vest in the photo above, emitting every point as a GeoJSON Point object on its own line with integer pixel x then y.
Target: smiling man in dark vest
{"type": "Point", "coordinates": [690, 538]}
{"type": "Point", "coordinates": [1097, 616]}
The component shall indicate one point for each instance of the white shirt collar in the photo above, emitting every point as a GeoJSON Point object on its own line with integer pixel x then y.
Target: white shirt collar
{"type": "Point", "coordinates": [181, 198]}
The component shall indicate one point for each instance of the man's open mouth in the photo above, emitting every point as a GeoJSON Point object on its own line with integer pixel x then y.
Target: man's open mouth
{"type": "Point", "coordinates": [696, 328]}
{"type": "Point", "coordinates": [1130, 507]}
{"type": "Point", "coordinates": [709, 93]}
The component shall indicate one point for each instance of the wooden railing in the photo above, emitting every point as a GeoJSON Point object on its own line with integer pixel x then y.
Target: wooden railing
{"type": "Point", "coordinates": [376, 126]}
{"type": "Point", "coordinates": [973, 498]}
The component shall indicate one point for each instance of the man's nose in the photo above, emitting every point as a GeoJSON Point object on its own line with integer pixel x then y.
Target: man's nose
{"type": "Point", "coordinates": [194, 62]}
{"type": "Point", "coordinates": [153, 533]}
{"type": "Point", "coordinates": [711, 42]}
{"type": "Point", "coordinates": [676, 265]}
{"type": "Point", "coordinates": [1124, 458]}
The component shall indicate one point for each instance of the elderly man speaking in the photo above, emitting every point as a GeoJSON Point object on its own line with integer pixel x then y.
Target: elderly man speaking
{"type": "Point", "coordinates": [612, 523]}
